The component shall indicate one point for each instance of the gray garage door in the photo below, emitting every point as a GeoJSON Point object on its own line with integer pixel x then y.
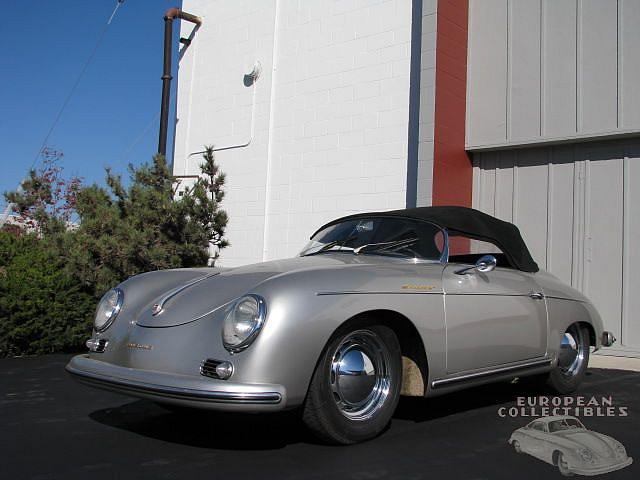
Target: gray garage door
{"type": "Point", "coordinates": [578, 207]}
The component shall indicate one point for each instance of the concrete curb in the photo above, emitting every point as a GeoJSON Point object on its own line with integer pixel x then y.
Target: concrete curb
{"type": "Point", "coordinates": [617, 363]}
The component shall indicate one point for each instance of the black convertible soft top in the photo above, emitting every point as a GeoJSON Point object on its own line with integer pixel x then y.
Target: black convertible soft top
{"type": "Point", "coordinates": [467, 221]}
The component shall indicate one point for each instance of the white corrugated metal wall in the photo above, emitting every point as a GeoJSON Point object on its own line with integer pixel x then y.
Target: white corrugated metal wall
{"type": "Point", "coordinates": [578, 208]}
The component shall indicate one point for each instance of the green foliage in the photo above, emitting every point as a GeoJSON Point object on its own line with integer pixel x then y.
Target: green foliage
{"type": "Point", "coordinates": [52, 279]}
{"type": "Point", "coordinates": [42, 309]}
{"type": "Point", "coordinates": [128, 230]}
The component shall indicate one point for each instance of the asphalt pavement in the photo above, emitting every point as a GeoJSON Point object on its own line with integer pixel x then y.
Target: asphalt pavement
{"type": "Point", "coordinates": [53, 427]}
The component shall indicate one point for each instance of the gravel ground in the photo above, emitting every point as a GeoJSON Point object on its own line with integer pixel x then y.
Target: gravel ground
{"type": "Point", "coordinates": [52, 427]}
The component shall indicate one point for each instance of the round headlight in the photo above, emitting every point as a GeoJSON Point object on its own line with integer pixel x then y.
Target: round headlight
{"type": "Point", "coordinates": [243, 323]}
{"type": "Point", "coordinates": [108, 309]}
{"type": "Point", "coordinates": [586, 454]}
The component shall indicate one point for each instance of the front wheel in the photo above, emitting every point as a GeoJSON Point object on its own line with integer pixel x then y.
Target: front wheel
{"type": "Point", "coordinates": [516, 446]}
{"type": "Point", "coordinates": [573, 360]}
{"type": "Point", "coordinates": [563, 466]}
{"type": "Point", "coordinates": [356, 386]}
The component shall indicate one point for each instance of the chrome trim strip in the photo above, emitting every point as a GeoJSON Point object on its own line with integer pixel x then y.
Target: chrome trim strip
{"type": "Point", "coordinates": [175, 392]}
{"type": "Point", "coordinates": [488, 373]}
{"type": "Point", "coordinates": [348, 292]}
{"type": "Point", "coordinates": [159, 307]}
{"type": "Point", "coordinates": [489, 294]}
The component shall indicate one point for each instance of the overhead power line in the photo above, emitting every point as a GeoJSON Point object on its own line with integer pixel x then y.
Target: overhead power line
{"type": "Point", "coordinates": [140, 136]}
{"type": "Point", "coordinates": [76, 83]}
{"type": "Point", "coordinates": [7, 210]}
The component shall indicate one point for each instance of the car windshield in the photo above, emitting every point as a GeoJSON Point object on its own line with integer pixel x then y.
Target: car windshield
{"type": "Point", "coordinates": [380, 236]}
{"type": "Point", "coordinates": [565, 424]}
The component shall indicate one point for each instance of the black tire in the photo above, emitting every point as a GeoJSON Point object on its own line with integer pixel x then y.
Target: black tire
{"type": "Point", "coordinates": [328, 411]}
{"type": "Point", "coordinates": [567, 375]}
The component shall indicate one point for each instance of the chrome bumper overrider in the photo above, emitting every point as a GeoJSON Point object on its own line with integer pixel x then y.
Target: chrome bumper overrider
{"type": "Point", "coordinates": [176, 389]}
{"type": "Point", "coordinates": [608, 339]}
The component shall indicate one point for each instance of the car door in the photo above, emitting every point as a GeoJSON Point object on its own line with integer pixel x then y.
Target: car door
{"type": "Point", "coordinates": [537, 444]}
{"type": "Point", "coordinates": [492, 318]}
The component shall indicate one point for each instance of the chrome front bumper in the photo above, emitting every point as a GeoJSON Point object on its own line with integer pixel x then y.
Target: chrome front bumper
{"type": "Point", "coordinates": [601, 469]}
{"type": "Point", "coordinates": [185, 390]}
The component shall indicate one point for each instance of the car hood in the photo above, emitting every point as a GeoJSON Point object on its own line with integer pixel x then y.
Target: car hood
{"type": "Point", "coordinates": [599, 444]}
{"type": "Point", "coordinates": [209, 290]}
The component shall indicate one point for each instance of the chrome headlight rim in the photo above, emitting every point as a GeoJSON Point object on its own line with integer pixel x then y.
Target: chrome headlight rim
{"type": "Point", "coordinates": [586, 454]}
{"type": "Point", "coordinates": [114, 311]}
{"type": "Point", "coordinates": [261, 319]}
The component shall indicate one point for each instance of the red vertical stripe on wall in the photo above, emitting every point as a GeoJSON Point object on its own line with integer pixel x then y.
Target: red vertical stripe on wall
{"type": "Point", "coordinates": [452, 169]}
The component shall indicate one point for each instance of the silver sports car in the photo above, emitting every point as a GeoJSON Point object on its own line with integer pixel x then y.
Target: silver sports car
{"type": "Point", "coordinates": [416, 302]}
{"type": "Point", "coordinates": [565, 442]}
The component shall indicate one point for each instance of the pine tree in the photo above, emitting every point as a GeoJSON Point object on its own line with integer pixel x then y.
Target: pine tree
{"type": "Point", "coordinates": [144, 226]}
{"type": "Point", "coordinates": [201, 206]}
{"type": "Point", "coordinates": [121, 230]}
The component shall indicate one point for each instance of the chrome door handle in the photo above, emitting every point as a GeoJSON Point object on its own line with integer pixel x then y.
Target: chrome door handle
{"type": "Point", "coordinates": [537, 295]}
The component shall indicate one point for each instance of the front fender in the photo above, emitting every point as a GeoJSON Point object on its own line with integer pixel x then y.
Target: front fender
{"type": "Point", "coordinates": [303, 314]}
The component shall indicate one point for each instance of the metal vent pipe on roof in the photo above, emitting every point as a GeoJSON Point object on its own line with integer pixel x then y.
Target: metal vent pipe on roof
{"type": "Point", "coordinates": [169, 16]}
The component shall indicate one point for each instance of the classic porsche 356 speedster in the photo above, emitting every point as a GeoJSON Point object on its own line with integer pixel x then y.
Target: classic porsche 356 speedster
{"type": "Point", "coordinates": [416, 302]}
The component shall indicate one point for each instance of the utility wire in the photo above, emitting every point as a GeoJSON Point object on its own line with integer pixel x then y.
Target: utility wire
{"type": "Point", "coordinates": [76, 83]}
{"type": "Point", "coordinates": [7, 210]}
{"type": "Point", "coordinates": [139, 138]}
{"type": "Point", "coordinates": [120, 2]}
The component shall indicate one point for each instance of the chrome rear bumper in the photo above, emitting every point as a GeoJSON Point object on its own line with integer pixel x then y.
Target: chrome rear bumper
{"type": "Point", "coordinates": [199, 392]}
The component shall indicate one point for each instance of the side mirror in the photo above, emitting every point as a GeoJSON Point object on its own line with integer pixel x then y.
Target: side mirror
{"type": "Point", "coordinates": [485, 264]}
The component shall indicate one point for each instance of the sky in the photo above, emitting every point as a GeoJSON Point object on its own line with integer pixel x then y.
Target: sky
{"type": "Point", "coordinates": [112, 119]}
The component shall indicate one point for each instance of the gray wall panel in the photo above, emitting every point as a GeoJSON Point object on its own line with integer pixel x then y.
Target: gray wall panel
{"type": "Point", "coordinates": [487, 82]}
{"type": "Point", "coordinates": [631, 252]}
{"type": "Point", "coordinates": [560, 213]}
{"type": "Point", "coordinates": [597, 75]}
{"type": "Point", "coordinates": [504, 188]}
{"type": "Point", "coordinates": [552, 71]}
{"type": "Point", "coordinates": [532, 183]}
{"type": "Point", "coordinates": [603, 234]}
{"type": "Point", "coordinates": [523, 110]}
{"type": "Point", "coordinates": [559, 68]}
{"type": "Point", "coordinates": [629, 56]}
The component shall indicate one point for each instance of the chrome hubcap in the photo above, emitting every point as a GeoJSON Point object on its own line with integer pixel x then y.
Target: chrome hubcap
{"type": "Point", "coordinates": [572, 351]}
{"type": "Point", "coordinates": [360, 377]}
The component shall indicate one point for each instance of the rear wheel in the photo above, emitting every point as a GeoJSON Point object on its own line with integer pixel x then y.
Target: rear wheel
{"type": "Point", "coordinates": [573, 359]}
{"type": "Point", "coordinates": [355, 388]}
